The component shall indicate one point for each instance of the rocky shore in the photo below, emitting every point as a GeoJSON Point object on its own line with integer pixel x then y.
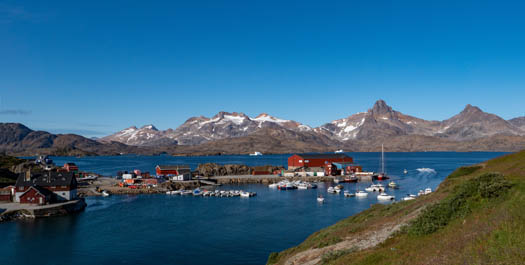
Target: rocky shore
{"type": "Point", "coordinates": [17, 211]}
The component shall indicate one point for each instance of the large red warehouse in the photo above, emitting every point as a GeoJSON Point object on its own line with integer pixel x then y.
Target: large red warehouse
{"type": "Point", "coordinates": [316, 160]}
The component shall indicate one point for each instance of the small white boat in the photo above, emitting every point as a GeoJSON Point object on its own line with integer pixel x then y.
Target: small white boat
{"type": "Point", "coordinates": [361, 194]}
{"type": "Point", "coordinates": [339, 151]}
{"type": "Point", "coordinates": [331, 190]}
{"type": "Point", "coordinates": [393, 185]}
{"type": "Point", "coordinates": [186, 192]}
{"type": "Point", "coordinates": [273, 186]}
{"type": "Point", "coordinates": [245, 194]}
{"type": "Point", "coordinates": [105, 193]}
{"type": "Point", "coordinates": [337, 189]}
{"type": "Point", "coordinates": [336, 180]}
{"type": "Point", "coordinates": [348, 194]}
{"type": "Point", "coordinates": [409, 197]}
{"type": "Point", "coordinates": [405, 171]}
{"type": "Point", "coordinates": [421, 192]}
{"type": "Point", "coordinates": [256, 154]}
{"type": "Point", "coordinates": [385, 197]}
{"type": "Point", "coordinates": [320, 199]}
{"type": "Point", "coordinates": [428, 190]}
{"type": "Point", "coordinates": [302, 186]}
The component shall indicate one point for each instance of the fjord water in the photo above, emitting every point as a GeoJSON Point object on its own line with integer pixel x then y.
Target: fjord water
{"type": "Point", "coordinates": [163, 229]}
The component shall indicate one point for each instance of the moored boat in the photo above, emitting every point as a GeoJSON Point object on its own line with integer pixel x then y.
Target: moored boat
{"type": "Point", "coordinates": [348, 194]}
{"type": "Point", "coordinates": [385, 197]}
{"type": "Point", "coordinates": [393, 185]}
{"type": "Point", "coordinates": [361, 194]}
{"type": "Point", "coordinates": [320, 198]}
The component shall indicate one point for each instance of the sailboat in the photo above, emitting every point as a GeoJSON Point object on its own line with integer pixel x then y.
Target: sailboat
{"type": "Point", "coordinates": [382, 175]}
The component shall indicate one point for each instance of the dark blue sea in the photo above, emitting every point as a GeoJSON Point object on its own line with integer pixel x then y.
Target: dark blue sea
{"type": "Point", "coordinates": [163, 229]}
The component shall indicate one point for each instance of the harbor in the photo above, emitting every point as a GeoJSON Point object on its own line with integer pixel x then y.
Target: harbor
{"type": "Point", "coordinates": [290, 215]}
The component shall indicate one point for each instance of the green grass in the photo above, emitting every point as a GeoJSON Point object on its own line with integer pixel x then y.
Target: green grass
{"type": "Point", "coordinates": [477, 216]}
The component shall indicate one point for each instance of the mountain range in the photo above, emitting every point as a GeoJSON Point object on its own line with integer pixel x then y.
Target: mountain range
{"type": "Point", "coordinates": [378, 123]}
{"type": "Point", "coordinates": [236, 133]}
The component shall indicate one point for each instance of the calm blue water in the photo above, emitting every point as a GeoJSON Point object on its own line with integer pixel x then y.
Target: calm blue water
{"type": "Point", "coordinates": [162, 229]}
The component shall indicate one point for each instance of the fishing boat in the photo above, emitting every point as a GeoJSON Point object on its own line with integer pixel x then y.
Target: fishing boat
{"type": "Point", "coordinates": [385, 197]}
{"type": "Point", "coordinates": [348, 194]}
{"type": "Point", "coordinates": [393, 185]}
{"type": "Point", "coordinates": [320, 198]}
{"type": "Point", "coordinates": [382, 175]}
{"type": "Point", "coordinates": [361, 194]}
{"type": "Point", "coordinates": [375, 187]}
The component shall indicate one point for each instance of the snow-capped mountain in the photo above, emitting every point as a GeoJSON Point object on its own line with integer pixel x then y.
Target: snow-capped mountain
{"type": "Point", "coordinates": [382, 121]}
{"type": "Point", "coordinates": [379, 122]}
{"type": "Point", "coordinates": [197, 130]}
{"type": "Point", "coordinates": [146, 135]}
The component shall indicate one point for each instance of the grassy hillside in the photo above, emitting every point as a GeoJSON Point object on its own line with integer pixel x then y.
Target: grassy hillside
{"type": "Point", "coordinates": [477, 216]}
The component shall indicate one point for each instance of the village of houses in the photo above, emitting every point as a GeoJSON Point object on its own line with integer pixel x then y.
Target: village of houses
{"type": "Point", "coordinates": [56, 190]}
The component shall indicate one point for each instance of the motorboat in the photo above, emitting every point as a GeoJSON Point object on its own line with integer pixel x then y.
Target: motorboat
{"type": "Point", "coordinates": [302, 186]}
{"type": "Point", "coordinates": [105, 193]}
{"type": "Point", "coordinates": [409, 197]}
{"type": "Point", "coordinates": [256, 154]}
{"type": "Point", "coordinates": [273, 186]}
{"type": "Point", "coordinates": [361, 194]}
{"type": "Point", "coordinates": [339, 151]}
{"type": "Point", "coordinates": [331, 190]}
{"type": "Point", "coordinates": [375, 187]}
{"type": "Point", "coordinates": [405, 171]}
{"type": "Point", "coordinates": [385, 197]}
{"type": "Point", "coordinates": [186, 192]}
{"type": "Point", "coordinates": [421, 192]}
{"type": "Point", "coordinates": [428, 190]}
{"type": "Point", "coordinates": [245, 194]}
{"type": "Point", "coordinates": [312, 186]}
{"type": "Point", "coordinates": [393, 185]}
{"type": "Point", "coordinates": [197, 192]}
{"type": "Point", "coordinates": [320, 198]}
{"type": "Point", "coordinates": [348, 194]}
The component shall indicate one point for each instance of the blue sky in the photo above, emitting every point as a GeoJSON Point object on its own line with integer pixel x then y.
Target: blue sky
{"type": "Point", "coordinates": [95, 67]}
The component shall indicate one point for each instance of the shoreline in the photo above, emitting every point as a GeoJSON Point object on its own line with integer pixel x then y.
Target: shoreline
{"type": "Point", "coordinates": [16, 211]}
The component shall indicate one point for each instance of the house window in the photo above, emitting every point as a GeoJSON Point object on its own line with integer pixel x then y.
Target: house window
{"type": "Point", "coordinates": [300, 161]}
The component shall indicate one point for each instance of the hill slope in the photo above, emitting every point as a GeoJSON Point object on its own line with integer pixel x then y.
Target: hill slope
{"type": "Point", "coordinates": [476, 216]}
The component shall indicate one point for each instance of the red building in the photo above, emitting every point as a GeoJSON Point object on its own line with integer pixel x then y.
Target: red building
{"type": "Point", "coordinates": [174, 170]}
{"type": "Point", "coordinates": [57, 186]}
{"type": "Point", "coordinates": [70, 167]}
{"type": "Point", "coordinates": [6, 194]}
{"type": "Point", "coordinates": [36, 195]}
{"type": "Point", "coordinates": [316, 160]}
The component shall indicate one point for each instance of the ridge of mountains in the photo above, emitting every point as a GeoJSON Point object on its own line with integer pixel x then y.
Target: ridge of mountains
{"type": "Point", "coordinates": [236, 133]}
{"type": "Point", "coordinates": [379, 122]}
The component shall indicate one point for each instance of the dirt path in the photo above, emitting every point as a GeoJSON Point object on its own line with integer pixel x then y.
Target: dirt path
{"type": "Point", "coordinates": [360, 241]}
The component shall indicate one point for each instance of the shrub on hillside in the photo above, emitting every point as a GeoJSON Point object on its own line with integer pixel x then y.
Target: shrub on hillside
{"type": "Point", "coordinates": [459, 203]}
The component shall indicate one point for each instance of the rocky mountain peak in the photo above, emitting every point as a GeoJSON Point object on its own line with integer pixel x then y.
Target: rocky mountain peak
{"type": "Point", "coordinates": [149, 127]}
{"type": "Point", "coordinates": [381, 108]}
{"type": "Point", "coordinates": [471, 109]}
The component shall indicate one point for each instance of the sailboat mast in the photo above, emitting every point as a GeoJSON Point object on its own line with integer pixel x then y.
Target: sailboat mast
{"type": "Point", "coordinates": [382, 159]}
